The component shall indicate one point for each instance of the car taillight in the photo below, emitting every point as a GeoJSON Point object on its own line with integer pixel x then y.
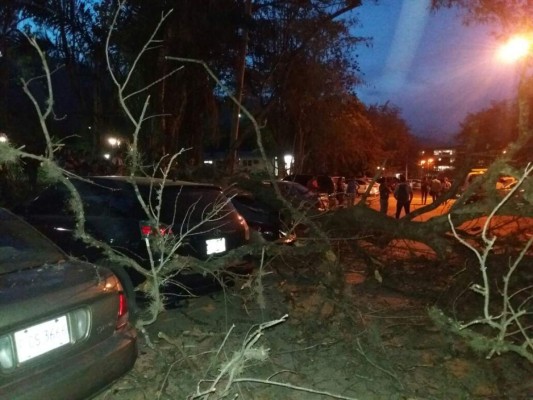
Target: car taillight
{"type": "Point", "coordinates": [7, 353]}
{"type": "Point", "coordinates": [150, 229]}
{"type": "Point", "coordinates": [122, 315]}
{"type": "Point", "coordinates": [243, 222]}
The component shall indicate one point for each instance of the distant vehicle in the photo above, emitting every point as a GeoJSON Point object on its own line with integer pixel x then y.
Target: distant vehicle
{"type": "Point", "coordinates": [363, 187]}
{"type": "Point", "coordinates": [64, 330]}
{"type": "Point", "coordinates": [325, 182]}
{"type": "Point", "coordinates": [114, 215]}
{"type": "Point", "coordinates": [503, 184]}
{"type": "Point", "coordinates": [415, 183]}
{"type": "Point", "coordinates": [263, 218]}
{"type": "Point", "coordinates": [519, 195]}
{"type": "Point", "coordinates": [470, 178]}
{"type": "Point", "coordinates": [299, 196]}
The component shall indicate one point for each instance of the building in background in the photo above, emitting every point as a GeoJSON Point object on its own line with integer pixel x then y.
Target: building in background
{"type": "Point", "coordinates": [437, 161]}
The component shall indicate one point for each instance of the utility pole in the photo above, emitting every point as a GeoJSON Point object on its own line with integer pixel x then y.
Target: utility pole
{"type": "Point", "coordinates": [239, 84]}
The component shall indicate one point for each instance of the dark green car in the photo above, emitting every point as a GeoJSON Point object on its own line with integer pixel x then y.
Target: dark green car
{"type": "Point", "coordinates": [64, 328]}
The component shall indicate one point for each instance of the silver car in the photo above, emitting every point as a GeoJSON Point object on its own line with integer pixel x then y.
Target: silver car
{"type": "Point", "coordinates": [64, 328]}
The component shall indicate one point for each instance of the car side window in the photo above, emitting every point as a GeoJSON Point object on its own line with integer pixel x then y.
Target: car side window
{"type": "Point", "coordinates": [53, 201]}
{"type": "Point", "coordinates": [124, 204]}
{"type": "Point", "coordinates": [95, 198]}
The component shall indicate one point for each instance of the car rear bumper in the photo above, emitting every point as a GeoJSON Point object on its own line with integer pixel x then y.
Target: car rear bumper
{"type": "Point", "coordinates": [80, 376]}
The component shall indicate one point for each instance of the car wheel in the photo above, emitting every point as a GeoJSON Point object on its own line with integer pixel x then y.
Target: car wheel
{"type": "Point", "coordinates": [126, 283]}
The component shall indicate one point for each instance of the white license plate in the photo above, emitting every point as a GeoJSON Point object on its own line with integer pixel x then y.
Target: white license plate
{"type": "Point", "coordinates": [216, 245]}
{"type": "Point", "coordinates": [42, 338]}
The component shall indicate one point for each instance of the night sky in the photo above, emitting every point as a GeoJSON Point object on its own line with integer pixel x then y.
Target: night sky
{"type": "Point", "coordinates": [435, 69]}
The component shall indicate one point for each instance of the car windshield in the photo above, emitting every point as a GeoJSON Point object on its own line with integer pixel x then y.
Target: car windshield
{"type": "Point", "coordinates": [23, 247]}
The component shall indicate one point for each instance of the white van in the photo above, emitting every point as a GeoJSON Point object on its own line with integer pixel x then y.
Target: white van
{"type": "Point", "coordinates": [503, 182]}
{"type": "Point", "coordinates": [473, 174]}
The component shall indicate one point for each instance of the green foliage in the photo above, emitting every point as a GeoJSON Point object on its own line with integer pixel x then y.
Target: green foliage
{"type": "Point", "coordinates": [8, 154]}
{"type": "Point", "coordinates": [299, 82]}
{"type": "Point", "coordinates": [490, 129]}
{"type": "Point", "coordinates": [511, 15]}
{"type": "Point", "coordinates": [50, 172]}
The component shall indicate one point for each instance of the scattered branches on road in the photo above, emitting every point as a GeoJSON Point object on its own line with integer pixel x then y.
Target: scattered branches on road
{"type": "Point", "coordinates": [511, 319]}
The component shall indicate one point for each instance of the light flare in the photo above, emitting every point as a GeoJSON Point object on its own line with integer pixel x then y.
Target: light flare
{"type": "Point", "coordinates": [516, 48]}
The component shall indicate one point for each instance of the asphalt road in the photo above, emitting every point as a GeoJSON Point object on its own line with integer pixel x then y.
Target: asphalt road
{"type": "Point", "coordinates": [416, 203]}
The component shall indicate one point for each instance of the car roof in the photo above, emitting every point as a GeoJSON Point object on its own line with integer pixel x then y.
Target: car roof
{"type": "Point", "coordinates": [289, 183]}
{"type": "Point", "coordinates": [146, 180]}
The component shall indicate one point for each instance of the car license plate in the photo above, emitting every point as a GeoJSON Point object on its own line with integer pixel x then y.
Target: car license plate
{"type": "Point", "coordinates": [216, 245]}
{"type": "Point", "coordinates": [42, 338]}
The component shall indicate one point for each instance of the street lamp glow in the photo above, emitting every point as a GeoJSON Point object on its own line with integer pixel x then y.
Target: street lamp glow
{"type": "Point", "coordinates": [113, 141]}
{"type": "Point", "coordinates": [516, 48]}
{"type": "Point", "coordinates": [3, 138]}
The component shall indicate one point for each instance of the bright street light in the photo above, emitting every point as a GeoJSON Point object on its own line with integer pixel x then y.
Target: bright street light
{"type": "Point", "coordinates": [114, 142]}
{"type": "Point", "coordinates": [3, 138]}
{"type": "Point", "coordinates": [514, 49]}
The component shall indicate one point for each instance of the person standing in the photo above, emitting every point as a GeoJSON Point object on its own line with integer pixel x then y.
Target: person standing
{"type": "Point", "coordinates": [424, 189]}
{"type": "Point", "coordinates": [312, 184]}
{"type": "Point", "coordinates": [403, 193]}
{"type": "Point", "coordinates": [384, 192]}
{"type": "Point", "coordinates": [340, 190]}
{"type": "Point", "coordinates": [351, 191]}
{"type": "Point", "coordinates": [435, 188]}
{"type": "Point", "coordinates": [446, 185]}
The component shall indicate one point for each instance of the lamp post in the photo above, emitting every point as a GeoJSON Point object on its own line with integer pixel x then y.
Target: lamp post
{"type": "Point", "coordinates": [426, 165]}
{"type": "Point", "coordinates": [517, 49]}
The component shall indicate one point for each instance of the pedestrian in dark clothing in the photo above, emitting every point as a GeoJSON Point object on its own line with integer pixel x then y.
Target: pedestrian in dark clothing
{"type": "Point", "coordinates": [424, 189]}
{"type": "Point", "coordinates": [403, 193]}
{"type": "Point", "coordinates": [384, 192]}
{"type": "Point", "coordinates": [340, 190]}
{"type": "Point", "coordinates": [351, 191]}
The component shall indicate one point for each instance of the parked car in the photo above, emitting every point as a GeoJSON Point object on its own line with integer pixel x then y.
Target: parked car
{"type": "Point", "coordinates": [263, 218]}
{"type": "Point", "coordinates": [363, 185]}
{"type": "Point", "coordinates": [502, 185]}
{"type": "Point", "coordinates": [64, 327]}
{"type": "Point", "coordinates": [325, 182]}
{"type": "Point", "coordinates": [300, 196]}
{"type": "Point", "coordinates": [114, 215]}
{"type": "Point", "coordinates": [475, 173]}
{"type": "Point", "coordinates": [415, 183]}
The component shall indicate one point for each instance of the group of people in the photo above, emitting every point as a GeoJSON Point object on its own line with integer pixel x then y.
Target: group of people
{"type": "Point", "coordinates": [84, 164]}
{"type": "Point", "coordinates": [403, 193]}
{"type": "Point", "coordinates": [346, 191]}
{"type": "Point", "coordinates": [434, 187]}
{"type": "Point", "coordinates": [343, 192]}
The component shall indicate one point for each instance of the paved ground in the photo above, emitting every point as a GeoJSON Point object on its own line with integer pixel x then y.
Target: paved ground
{"type": "Point", "coordinates": [415, 204]}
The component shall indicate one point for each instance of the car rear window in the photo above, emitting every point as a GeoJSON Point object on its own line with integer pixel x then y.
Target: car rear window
{"type": "Point", "coordinates": [194, 204]}
{"type": "Point", "coordinates": [23, 247]}
{"type": "Point", "coordinates": [179, 203]}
